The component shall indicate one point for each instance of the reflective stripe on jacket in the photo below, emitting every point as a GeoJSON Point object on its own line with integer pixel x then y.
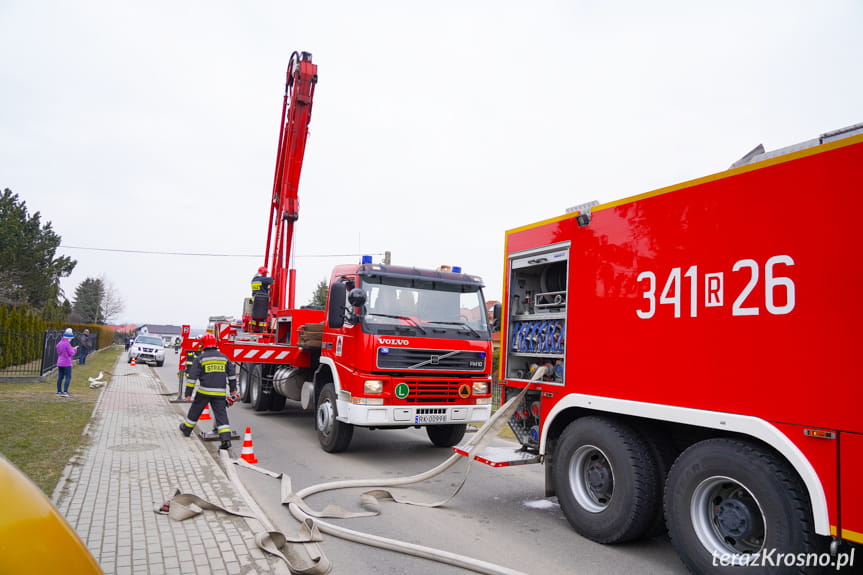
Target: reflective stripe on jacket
{"type": "Point", "coordinates": [261, 284]}
{"type": "Point", "coordinates": [214, 372]}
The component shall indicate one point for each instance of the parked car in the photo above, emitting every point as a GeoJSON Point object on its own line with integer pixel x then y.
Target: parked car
{"type": "Point", "coordinates": [147, 348]}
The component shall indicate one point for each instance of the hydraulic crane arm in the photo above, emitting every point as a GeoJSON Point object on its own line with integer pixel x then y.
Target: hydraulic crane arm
{"type": "Point", "coordinates": [302, 76]}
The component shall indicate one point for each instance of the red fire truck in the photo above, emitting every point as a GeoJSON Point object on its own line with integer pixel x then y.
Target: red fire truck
{"type": "Point", "coordinates": [395, 347]}
{"type": "Point", "coordinates": [690, 357]}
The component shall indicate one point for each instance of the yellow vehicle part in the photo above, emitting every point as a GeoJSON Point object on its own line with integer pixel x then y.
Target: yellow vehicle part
{"type": "Point", "coordinates": [34, 537]}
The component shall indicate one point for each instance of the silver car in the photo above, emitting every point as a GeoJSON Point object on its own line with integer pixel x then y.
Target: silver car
{"type": "Point", "coordinates": [147, 348]}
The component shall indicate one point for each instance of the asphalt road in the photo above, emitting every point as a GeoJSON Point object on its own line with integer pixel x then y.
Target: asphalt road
{"type": "Point", "coordinates": [500, 515]}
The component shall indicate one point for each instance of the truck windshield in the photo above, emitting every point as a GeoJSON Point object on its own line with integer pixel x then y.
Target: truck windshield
{"type": "Point", "coordinates": [425, 308]}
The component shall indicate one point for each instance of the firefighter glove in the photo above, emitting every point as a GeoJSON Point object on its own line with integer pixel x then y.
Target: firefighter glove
{"type": "Point", "coordinates": [233, 398]}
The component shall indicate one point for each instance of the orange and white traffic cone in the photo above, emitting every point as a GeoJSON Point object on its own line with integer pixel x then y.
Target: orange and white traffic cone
{"type": "Point", "coordinates": [248, 453]}
{"type": "Point", "coordinates": [133, 362]}
{"type": "Point", "coordinates": [205, 415]}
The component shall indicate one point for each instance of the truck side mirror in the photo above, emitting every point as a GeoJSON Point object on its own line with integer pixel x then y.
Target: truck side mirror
{"type": "Point", "coordinates": [357, 297]}
{"type": "Point", "coordinates": [336, 305]}
{"type": "Point", "coordinates": [495, 318]}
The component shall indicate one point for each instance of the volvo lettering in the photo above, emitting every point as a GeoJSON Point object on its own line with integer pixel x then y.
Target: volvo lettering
{"type": "Point", "coordinates": [394, 341]}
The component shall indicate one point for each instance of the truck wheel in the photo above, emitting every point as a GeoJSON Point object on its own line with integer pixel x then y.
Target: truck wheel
{"type": "Point", "coordinates": [605, 477]}
{"type": "Point", "coordinates": [446, 435]}
{"type": "Point", "coordinates": [160, 363]}
{"type": "Point", "coordinates": [334, 435]}
{"type": "Point", "coordinates": [243, 382]}
{"type": "Point", "coordinates": [664, 453]}
{"type": "Point", "coordinates": [277, 402]}
{"type": "Point", "coordinates": [260, 401]}
{"type": "Point", "coordinates": [728, 499]}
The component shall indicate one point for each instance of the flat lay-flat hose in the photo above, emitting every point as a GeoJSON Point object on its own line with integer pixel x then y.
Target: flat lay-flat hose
{"type": "Point", "coordinates": [300, 511]}
{"type": "Point", "coordinates": [303, 555]}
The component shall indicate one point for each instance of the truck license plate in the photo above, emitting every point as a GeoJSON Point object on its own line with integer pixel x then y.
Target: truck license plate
{"type": "Point", "coordinates": [431, 418]}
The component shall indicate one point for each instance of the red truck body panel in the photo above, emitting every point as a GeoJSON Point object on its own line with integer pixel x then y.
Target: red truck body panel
{"type": "Point", "coordinates": [850, 481]}
{"type": "Point", "coordinates": [735, 293]}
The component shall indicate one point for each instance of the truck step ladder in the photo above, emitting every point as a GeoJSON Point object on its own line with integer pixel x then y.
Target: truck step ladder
{"type": "Point", "coordinates": [500, 456]}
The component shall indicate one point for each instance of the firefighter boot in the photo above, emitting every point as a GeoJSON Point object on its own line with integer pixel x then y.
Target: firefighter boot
{"type": "Point", "coordinates": [185, 430]}
{"type": "Point", "coordinates": [225, 445]}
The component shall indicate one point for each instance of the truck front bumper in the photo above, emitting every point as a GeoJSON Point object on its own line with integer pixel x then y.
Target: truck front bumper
{"type": "Point", "coordinates": [401, 415]}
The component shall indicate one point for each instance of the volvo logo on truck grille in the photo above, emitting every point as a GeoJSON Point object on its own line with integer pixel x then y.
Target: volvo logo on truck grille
{"type": "Point", "coordinates": [391, 341]}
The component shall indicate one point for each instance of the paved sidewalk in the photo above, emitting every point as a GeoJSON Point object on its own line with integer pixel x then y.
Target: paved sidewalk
{"type": "Point", "coordinates": [135, 461]}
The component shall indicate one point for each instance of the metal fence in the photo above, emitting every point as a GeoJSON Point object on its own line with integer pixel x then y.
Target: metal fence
{"type": "Point", "coordinates": [25, 355]}
{"type": "Point", "coordinates": [49, 350]}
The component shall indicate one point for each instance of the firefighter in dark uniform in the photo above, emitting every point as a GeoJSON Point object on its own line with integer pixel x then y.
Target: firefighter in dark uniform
{"type": "Point", "coordinates": [260, 299]}
{"type": "Point", "coordinates": [215, 372]}
{"type": "Point", "coordinates": [190, 359]}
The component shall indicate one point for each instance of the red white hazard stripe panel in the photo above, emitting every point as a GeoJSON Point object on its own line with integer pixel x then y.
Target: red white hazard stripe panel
{"type": "Point", "coordinates": [242, 353]}
{"type": "Point", "coordinates": [224, 329]}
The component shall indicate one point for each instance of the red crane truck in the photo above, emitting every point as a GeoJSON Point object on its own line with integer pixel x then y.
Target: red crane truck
{"type": "Point", "coordinates": [691, 358]}
{"type": "Point", "coordinates": [395, 346]}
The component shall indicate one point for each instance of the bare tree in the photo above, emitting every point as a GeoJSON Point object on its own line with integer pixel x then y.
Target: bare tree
{"type": "Point", "coordinates": [112, 303]}
{"type": "Point", "coordinates": [97, 301]}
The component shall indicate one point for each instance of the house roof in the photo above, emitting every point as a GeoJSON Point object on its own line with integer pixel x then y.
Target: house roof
{"type": "Point", "coordinates": [162, 329]}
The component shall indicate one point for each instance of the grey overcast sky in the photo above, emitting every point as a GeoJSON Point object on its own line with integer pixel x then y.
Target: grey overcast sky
{"type": "Point", "coordinates": [152, 126]}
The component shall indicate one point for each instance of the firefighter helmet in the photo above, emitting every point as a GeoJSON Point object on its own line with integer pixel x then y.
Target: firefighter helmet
{"type": "Point", "coordinates": [263, 271]}
{"type": "Point", "coordinates": [208, 340]}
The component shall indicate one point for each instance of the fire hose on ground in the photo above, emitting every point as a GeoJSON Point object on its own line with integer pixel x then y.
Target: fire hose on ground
{"type": "Point", "coordinates": [302, 553]}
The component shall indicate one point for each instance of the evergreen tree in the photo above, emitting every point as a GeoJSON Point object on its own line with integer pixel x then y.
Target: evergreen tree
{"type": "Point", "coordinates": [29, 272]}
{"type": "Point", "coordinates": [96, 301]}
{"type": "Point", "coordinates": [319, 297]}
{"type": "Point", "coordinates": [89, 296]}
{"type": "Point", "coordinates": [55, 311]}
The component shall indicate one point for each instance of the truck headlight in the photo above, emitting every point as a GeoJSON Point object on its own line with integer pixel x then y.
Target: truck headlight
{"type": "Point", "coordinates": [373, 386]}
{"type": "Point", "coordinates": [480, 387]}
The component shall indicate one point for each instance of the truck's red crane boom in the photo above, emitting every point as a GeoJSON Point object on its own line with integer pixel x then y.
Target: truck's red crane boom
{"type": "Point", "coordinates": [336, 361]}
{"type": "Point", "coordinates": [302, 76]}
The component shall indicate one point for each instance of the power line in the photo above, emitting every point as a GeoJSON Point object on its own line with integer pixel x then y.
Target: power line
{"type": "Point", "coordinates": [160, 253]}
{"type": "Point", "coordinates": [192, 254]}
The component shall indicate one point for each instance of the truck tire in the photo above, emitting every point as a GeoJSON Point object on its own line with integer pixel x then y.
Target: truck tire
{"type": "Point", "coordinates": [243, 382]}
{"type": "Point", "coordinates": [605, 477]}
{"type": "Point", "coordinates": [729, 497]}
{"type": "Point", "coordinates": [446, 435]}
{"type": "Point", "coordinates": [277, 401]}
{"type": "Point", "coordinates": [260, 401]}
{"type": "Point", "coordinates": [664, 453]}
{"type": "Point", "coordinates": [334, 435]}
{"type": "Point", "coordinates": [160, 363]}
